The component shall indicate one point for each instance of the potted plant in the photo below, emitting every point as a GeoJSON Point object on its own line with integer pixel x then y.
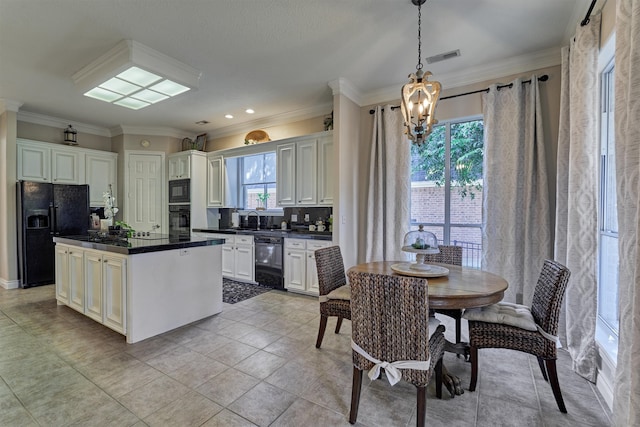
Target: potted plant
{"type": "Point", "coordinates": [262, 201]}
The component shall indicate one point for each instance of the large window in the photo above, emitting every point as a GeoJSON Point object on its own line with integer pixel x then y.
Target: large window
{"type": "Point", "coordinates": [446, 186]}
{"type": "Point", "coordinates": [608, 315]}
{"type": "Point", "coordinates": [258, 181]}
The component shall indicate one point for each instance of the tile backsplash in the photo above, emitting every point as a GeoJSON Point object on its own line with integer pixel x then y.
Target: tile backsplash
{"type": "Point", "coordinates": [269, 220]}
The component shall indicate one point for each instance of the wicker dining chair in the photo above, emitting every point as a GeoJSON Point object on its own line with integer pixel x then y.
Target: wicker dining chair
{"type": "Point", "coordinates": [545, 308]}
{"type": "Point", "coordinates": [452, 255]}
{"type": "Point", "coordinates": [334, 293]}
{"type": "Point", "coordinates": [390, 322]}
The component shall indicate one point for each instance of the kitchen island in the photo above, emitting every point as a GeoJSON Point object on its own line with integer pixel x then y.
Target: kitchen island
{"type": "Point", "coordinates": [140, 287]}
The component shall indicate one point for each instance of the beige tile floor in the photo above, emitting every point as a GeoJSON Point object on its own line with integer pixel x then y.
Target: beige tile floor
{"type": "Point", "coordinates": [253, 364]}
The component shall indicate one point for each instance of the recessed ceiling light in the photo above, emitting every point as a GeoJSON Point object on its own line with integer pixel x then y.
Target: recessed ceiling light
{"type": "Point", "coordinates": [135, 76]}
{"type": "Point", "coordinates": [228, 116]}
{"type": "Point", "coordinates": [249, 111]}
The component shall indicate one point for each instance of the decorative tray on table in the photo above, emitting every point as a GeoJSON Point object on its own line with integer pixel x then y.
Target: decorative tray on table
{"type": "Point", "coordinates": [407, 269]}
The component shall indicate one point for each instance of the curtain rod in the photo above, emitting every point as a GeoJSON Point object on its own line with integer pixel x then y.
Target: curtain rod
{"type": "Point", "coordinates": [542, 78]}
{"type": "Point", "coordinates": [586, 19]}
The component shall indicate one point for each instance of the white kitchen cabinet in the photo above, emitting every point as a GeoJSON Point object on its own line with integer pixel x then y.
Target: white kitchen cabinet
{"type": "Point", "coordinates": [114, 283]}
{"type": "Point", "coordinates": [215, 181]}
{"type": "Point", "coordinates": [62, 273]}
{"type": "Point", "coordinates": [101, 170]}
{"type": "Point", "coordinates": [325, 170]}
{"type": "Point", "coordinates": [180, 165]}
{"type": "Point", "coordinates": [76, 279]}
{"type": "Point", "coordinates": [94, 283]}
{"type": "Point", "coordinates": [244, 258]}
{"type": "Point", "coordinates": [238, 255]}
{"type": "Point", "coordinates": [105, 289]}
{"type": "Point", "coordinates": [286, 174]}
{"type": "Point", "coordinates": [306, 173]}
{"type": "Point", "coordinates": [44, 162]}
{"type": "Point", "coordinates": [66, 166]}
{"type": "Point", "coordinates": [300, 273]}
{"type": "Point", "coordinates": [69, 265]}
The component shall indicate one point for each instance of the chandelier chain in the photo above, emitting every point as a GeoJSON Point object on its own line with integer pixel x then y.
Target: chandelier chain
{"type": "Point", "coordinates": [419, 66]}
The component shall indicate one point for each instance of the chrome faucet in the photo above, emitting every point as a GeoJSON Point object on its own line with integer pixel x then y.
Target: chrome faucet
{"type": "Point", "coordinates": [258, 215]}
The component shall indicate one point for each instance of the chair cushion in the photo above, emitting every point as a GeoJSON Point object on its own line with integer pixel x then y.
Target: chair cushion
{"type": "Point", "coordinates": [343, 293]}
{"type": "Point", "coordinates": [505, 313]}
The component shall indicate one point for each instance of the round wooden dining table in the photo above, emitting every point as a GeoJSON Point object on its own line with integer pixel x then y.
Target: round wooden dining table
{"type": "Point", "coordinates": [463, 287]}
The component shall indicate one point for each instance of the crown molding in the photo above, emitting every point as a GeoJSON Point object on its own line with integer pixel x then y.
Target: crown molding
{"type": "Point", "coordinates": [515, 65]}
{"type": "Point", "coordinates": [41, 119]}
{"type": "Point", "coordinates": [342, 86]}
{"type": "Point", "coordinates": [9, 105]}
{"type": "Point", "coordinates": [278, 119]}
{"type": "Point", "coordinates": [151, 131]}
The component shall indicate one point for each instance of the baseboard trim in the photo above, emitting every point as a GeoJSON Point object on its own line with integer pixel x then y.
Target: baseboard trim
{"type": "Point", "coordinates": [605, 378]}
{"type": "Point", "coordinates": [9, 284]}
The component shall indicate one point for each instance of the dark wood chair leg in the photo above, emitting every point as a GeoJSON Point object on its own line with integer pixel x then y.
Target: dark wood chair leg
{"type": "Point", "coordinates": [439, 379]}
{"type": "Point", "coordinates": [555, 385]}
{"type": "Point", "coordinates": [323, 326]}
{"type": "Point", "coordinates": [338, 325]}
{"type": "Point", "coordinates": [542, 368]}
{"type": "Point", "coordinates": [355, 395]}
{"type": "Point", "coordinates": [458, 326]}
{"type": "Point", "coordinates": [422, 407]}
{"type": "Point", "coordinates": [473, 355]}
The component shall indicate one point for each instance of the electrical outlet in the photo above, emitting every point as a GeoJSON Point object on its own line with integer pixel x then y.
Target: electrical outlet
{"type": "Point", "coordinates": [306, 217]}
{"type": "Point", "coordinates": [294, 218]}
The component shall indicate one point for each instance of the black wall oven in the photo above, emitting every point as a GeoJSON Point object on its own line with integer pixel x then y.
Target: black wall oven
{"type": "Point", "coordinates": [179, 191]}
{"type": "Point", "coordinates": [180, 221]}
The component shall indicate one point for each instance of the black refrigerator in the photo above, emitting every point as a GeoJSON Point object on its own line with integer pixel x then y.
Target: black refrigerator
{"type": "Point", "coordinates": [44, 211]}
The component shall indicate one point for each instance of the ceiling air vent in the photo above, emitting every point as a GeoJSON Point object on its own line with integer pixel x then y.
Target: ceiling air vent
{"type": "Point", "coordinates": [443, 56]}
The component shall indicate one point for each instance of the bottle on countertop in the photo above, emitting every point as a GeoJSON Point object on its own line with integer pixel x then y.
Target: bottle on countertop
{"type": "Point", "coordinates": [283, 225]}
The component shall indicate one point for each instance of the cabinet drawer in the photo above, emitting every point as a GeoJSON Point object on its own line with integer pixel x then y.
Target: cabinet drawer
{"type": "Point", "coordinates": [294, 244]}
{"type": "Point", "coordinates": [312, 245]}
{"type": "Point", "coordinates": [244, 240]}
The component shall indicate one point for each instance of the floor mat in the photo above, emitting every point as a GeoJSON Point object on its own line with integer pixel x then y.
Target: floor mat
{"type": "Point", "coordinates": [233, 292]}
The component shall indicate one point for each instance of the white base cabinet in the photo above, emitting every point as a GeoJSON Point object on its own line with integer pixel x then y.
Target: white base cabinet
{"type": "Point", "coordinates": [300, 273]}
{"type": "Point", "coordinates": [238, 255]}
{"type": "Point", "coordinates": [93, 283]}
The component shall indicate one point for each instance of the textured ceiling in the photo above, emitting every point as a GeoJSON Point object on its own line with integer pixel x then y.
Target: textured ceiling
{"type": "Point", "coordinates": [275, 56]}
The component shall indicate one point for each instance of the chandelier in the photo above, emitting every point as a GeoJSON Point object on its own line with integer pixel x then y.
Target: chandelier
{"type": "Point", "coordinates": [419, 96]}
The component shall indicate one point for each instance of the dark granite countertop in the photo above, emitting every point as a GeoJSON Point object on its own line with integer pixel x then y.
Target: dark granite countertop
{"type": "Point", "coordinates": [295, 234]}
{"type": "Point", "coordinates": [132, 246]}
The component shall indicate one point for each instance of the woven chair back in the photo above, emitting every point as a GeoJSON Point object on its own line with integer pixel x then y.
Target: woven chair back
{"type": "Point", "coordinates": [449, 254]}
{"type": "Point", "coordinates": [389, 320]}
{"type": "Point", "coordinates": [548, 295]}
{"type": "Point", "coordinates": [330, 268]}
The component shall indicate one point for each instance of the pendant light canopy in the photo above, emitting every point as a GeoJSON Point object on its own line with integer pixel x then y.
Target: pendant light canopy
{"type": "Point", "coordinates": [420, 96]}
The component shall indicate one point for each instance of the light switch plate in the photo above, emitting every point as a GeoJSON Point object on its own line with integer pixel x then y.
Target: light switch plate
{"type": "Point", "coordinates": [294, 218]}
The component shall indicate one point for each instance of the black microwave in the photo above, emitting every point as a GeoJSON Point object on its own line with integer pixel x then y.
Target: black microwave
{"type": "Point", "coordinates": [179, 191]}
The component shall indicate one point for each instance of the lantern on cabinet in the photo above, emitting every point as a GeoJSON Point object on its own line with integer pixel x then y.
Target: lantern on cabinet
{"type": "Point", "coordinates": [70, 136]}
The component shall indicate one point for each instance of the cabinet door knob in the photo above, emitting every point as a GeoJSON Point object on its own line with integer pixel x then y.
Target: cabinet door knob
{"type": "Point", "coordinates": [104, 260]}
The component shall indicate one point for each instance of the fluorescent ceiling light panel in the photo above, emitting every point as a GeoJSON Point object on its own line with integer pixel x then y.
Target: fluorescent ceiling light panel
{"type": "Point", "coordinates": [132, 69]}
{"type": "Point", "coordinates": [103, 94]}
{"type": "Point", "coordinates": [149, 96]}
{"type": "Point", "coordinates": [169, 88]}
{"type": "Point", "coordinates": [134, 104]}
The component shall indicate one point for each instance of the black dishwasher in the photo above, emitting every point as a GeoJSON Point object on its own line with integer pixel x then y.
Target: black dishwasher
{"type": "Point", "coordinates": [269, 255]}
